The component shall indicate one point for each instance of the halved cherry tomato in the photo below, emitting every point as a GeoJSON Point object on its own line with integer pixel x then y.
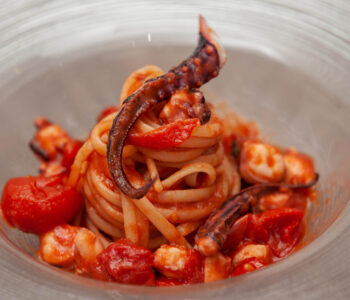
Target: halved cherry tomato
{"type": "Point", "coordinates": [37, 204]}
{"type": "Point", "coordinates": [166, 136]}
{"type": "Point", "coordinates": [279, 228]}
{"type": "Point", "coordinates": [128, 263]}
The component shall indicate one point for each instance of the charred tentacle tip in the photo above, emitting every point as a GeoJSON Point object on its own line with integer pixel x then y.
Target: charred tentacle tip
{"type": "Point", "coordinates": [210, 35]}
{"type": "Point", "coordinates": [137, 193]}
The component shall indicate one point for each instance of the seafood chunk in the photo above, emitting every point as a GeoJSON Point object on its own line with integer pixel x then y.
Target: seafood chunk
{"type": "Point", "coordinates": [261, 163]}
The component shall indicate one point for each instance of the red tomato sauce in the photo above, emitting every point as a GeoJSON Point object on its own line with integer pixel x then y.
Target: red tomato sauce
{"type": "Point", "coordinates": [41, 204]}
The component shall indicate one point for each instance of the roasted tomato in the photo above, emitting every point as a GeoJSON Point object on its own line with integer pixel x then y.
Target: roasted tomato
{"type": "Point", "coordinates": [69, 153]}
{"type": "Point", "coordinates": [37, 204]}
{"type": "Point", "coordinates": [128, 263]}
{"type": "Point", "coordinates": [279, 228]}
{"type": "Point", "coordinates": [166, 136]}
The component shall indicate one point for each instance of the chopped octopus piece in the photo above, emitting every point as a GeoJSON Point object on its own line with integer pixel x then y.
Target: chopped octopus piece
{"type": "Point", "coordinates": [217, 267]}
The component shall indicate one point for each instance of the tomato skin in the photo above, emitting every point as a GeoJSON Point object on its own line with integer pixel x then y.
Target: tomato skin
{"type": "Point", "coordinates": [37, 204]}
{"type": "Point", "coordinates": [237, 232]}
{"type": "Point", "coordinates": [93, 269]}
{"type": "Point", "coordinates": [69, 153]}
{"type": "Point", "coordinates": [279, 228]}
{"type": "Point", "coordinates": [106, 112]}
{"type": "Point", "coordinates": [166, 136]}
{"type": "Point", "coordinates": [128, 263]}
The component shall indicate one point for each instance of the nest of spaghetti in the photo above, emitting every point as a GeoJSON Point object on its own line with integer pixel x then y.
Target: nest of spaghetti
{"type": "Point", "coordinates": [192, 179]}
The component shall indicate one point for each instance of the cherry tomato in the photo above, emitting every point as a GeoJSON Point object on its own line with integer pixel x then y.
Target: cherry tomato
{"type": "Point", "coordinates": [279, 228]}
{"type": "Point", "coordinates": [93, 269]}
{"type": "Point", "coordinates": [166, 136]}
{"type": "Point", "coordinates": [69, 153]}
{"type": "Point", "coordinates": [107, 111]}
{"type": "Point", "coordinates": [236, 232]}
{"type": "Point", "coordinates": [128, 263]}
{"type": "Point", "coordinates": [37, 204]}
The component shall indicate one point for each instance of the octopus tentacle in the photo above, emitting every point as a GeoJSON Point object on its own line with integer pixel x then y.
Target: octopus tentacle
{"type": "Point", "coordinates": [212, 234]}
{"type": "Point", "coordinates": [203, 65]}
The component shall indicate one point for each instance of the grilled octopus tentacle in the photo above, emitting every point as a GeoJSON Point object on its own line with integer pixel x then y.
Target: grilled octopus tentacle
{"type": "Point", "coordinates": [203, 65]}
{"type": "Point", "coordinates": [212, 234]}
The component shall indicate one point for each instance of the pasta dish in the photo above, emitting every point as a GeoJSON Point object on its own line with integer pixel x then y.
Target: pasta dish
{"type": "Point", "coordinates": [166, 190]}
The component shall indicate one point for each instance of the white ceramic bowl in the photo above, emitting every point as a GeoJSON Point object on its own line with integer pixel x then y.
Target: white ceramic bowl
{"type": "Point", "coordinates": [288, 68]}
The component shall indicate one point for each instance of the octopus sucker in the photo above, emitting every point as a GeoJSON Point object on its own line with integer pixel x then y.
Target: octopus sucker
{"type": "Point", "coordinates": [212, 234]}
{"type": "Point", "coordinates": [203, 65]}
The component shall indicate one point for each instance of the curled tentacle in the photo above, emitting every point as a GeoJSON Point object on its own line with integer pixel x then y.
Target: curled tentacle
{"type": "Point", "coordinates": [203, 65]}
{"type": "Point", "coordinates": [212, 234]}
